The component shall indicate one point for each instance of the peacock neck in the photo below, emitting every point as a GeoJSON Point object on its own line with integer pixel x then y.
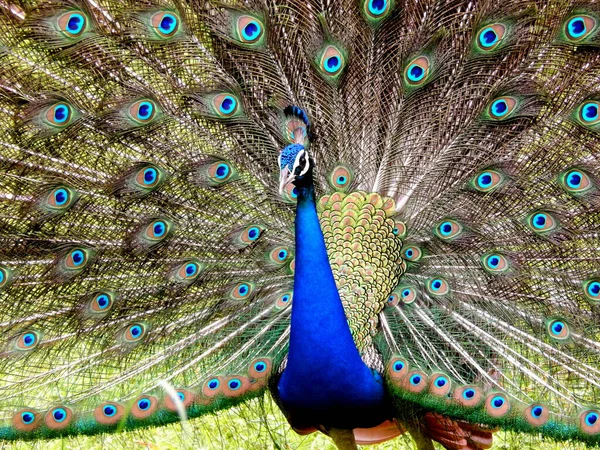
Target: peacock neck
{"type": "Point", "coordinates": [324, 370]}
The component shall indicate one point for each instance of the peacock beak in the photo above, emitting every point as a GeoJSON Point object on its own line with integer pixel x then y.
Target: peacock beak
{"type": "Point", "coordinates": [286, 176]}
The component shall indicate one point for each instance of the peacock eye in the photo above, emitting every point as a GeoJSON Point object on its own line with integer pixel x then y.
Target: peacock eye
{"type": "Point", "coordinates": [157, 230]}
{"type": "Point", "coordinates": [27, 341]}
{"type": "Point", "coordinates": [579, 27]}
{"type": "Point", "coordinates": [542, 222]}
{"type": "Point", "coordinates": [143, 111]}
{"type": "Point", "coordinates": [102, 302]}
{"type": "Point", "coordinates": [412, 253]}
{"type": "Point", "coordinates": [437, 286]}
{"type": "Point", "coordinates": [502, 107]}
{"type": "Point", "coordinates": [134, 332]}
{"type": "Point", "coordinates": [251, 234]}
{"type": "Point", "coordinates": [588, 113]}
{"type": "Point", "coordinates": [61, 198]}
{"type": "Point", "coordinates": [73, 24]}
{"type": "Point", "coordinates": [591, 289]}
{"type": "Point", "coordinates": [417, 71]}
{"type": "Point", "coordinates": [377, 9]}
{"type": "Point", "coordinates": [226, 105]}
{"type": "Point", "coordinates": [241, 291]}
{"type": "Point", "coordinates": [576, 181]}
{"type": "Point", "coordinates": [278, 255]}
{"type": "Point", "coordinates": [76, 258]}
{"type": "Point", "coordinates": [488, 180]}
{"type": "Point", "coordinates": [189, 270]}
{"type": "Point", "coordinates": [558, 329]}
{"type": "Point", "coordinates": [166, 24]}
{"type": "Point", "coordinates": [283, 300]}
{"type": "Point", "coordinates": [250, 29]}
{"type": "Point", "coordinates": [6, 276]}
{"type": "Point", "coordinates": [148, 177]}
{"type": "Point", "coordinates": [490, 36]}
{"type": "Point", "coordinates": [448, 230]}
{"type": "Point", "coordinates": [495, 263]}
{"type": "Point", "coordinates": [341, 178]}
{"type": "Point", "coordinates": [332, 61]}
{"type": "Point", "coordinates": [59, 115]}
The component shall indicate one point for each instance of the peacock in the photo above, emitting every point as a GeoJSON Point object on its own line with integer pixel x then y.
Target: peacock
{"type": "Point", "coordinates": [382, 214]}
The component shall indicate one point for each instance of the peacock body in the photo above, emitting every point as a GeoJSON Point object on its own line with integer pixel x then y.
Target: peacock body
{"type": "Point", "coordinates": [383, 212]}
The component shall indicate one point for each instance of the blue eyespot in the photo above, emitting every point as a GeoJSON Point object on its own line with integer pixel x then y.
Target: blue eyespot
{"type": "Point", "coordinates": [341, 180]}
{"type": "Point", "coordinates": [61, 113]}
{"type": "Point", "coordinates": [415, 73]}
{"type": "Point", "coordinates": [29, 339]}
{"type": "Point", "coordinates": [27, 417]}
{"type": "Point", "coordinates": [441, 382]}
{"type": "Point", "coordinates": [377, 7]}
{"type": "Point", "coordinates": [574, 179]}
{"type": "Point", "coordinates": [468, 394]}
{"type": "Point", "coordinates": [109, 410]}
{"type": "Point", "coordinates": [213, 384]}
{"type": "Point", "coordinates": [398, 366]}
{"type": "Point", "coordinates": [409, 253]}
{"type": "Point", "coordinates": [190, 269]}
{"type": "Point", "coordinates": [135, 331]}
{"type": "Point", "coordinates": [251, 31]}
{"type": "Point", "coordinates": [159, 229]}
{"type": "Point", "coordinates": [488, 37]}
{"type": "Point", "coordinates": [285, 298]}
{"type": "Point", "coordinates": [557, 327]}
{"type": "Point", "coordinates": [446, 229]}
{"type": "Point", "coordinates": [333, 64]}
{"type": "Point", "coordinates": [537, 412]}
{"type": "Point", "coordinates": [61, 196]}
{"type": "Point", "coordinates": [228, 105]}
{"type": "Point", "coordinates": [59, 414]}
{"type": "Point", "coordinates": [497, 402]}
{"type": "Point", "coordinates": [539, 220]}
{"type": "Point", "coordinates": [282, 255]}
{"type": "Point", "coordinates": [415, 380]}
{"type": "Point", "coordinates": [168, 24]}
{"type": "Point", "coordinates": [436, 285]}
{"type": "Point", "coordinates": [593, 289]}
{"type": "Point", "coordinates": [499, 108]}
{"type": "Point", "coordinates": [591, 419]}
{"type": "Point", "coordinates": [589, 112]}
{"type": "Point", "coordinates": [145, 111]}
{"type": "Point", "coordinates": [75, 24]}
{"type": "Point", "coordinates": [222, 171]}
{"type": "Point", "coordinates": [260, 366]}
{"type": "Point", "coordinates": [150, 175]}
{"type": "Point", "coordinates": [577, 27]}
{"type": "Point", "coordinates": [234, 384]}
{"type": "Point", "coordinates": [103, 301]}
{"type": "Point", "coordinates": [253, 233]}
{"type": "Point", "coordinates": [144, 404]}
{"type": "Point", "coordinates": [484, 180]}
{"type": "Point", "coordinates": [181, 396]}
{"type": "Point", "coordinates": [243, 289]}
{"type": "Point", "coordinates": [78, 257]}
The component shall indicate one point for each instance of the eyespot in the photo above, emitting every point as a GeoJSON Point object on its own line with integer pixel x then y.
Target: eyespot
{"type": "Point", "coordinates": [415, 381]}
{"type": "Point", "coordinates": [490, 36]}
{"type": "Point", "coordinates": [27, 341]}
{"type": "Point", "coordinates": [502, 107]}
{"type": "Point", "coordinates": [589, 421]}
{"type": "Point", "coordinates": [59, 115]}
{"type": "Point", "coordinates": [332, 61]}
{"type": "Point", "coordinates": [558, 330]}
{"type": "Point", "coordinates": [143, 111]}
{"type": "Point", "coordinates": [284, 300]}
{"type": "Point", "coordinates": [101, 303]}
{"type": "Point", "coordinates": [144, 406]}
{"type": "Point", "coordinates": [588, 113]}
{"type": "Point", "coordinates": [591, 289]}
{"type": "Point", "coordinates": [250, 30]}
{"type": "Point", "coordinates": [417, 71]}
{"type": "Point", "coordinates": [468, 395]}
{"type": "Point", "coordinates": [439, 385]}
{"type": "Point", "coordinates": [226, 105]}
{"type": "Point", "coordinates": [149, 177]}
{"type": "Point", "coordinates": [495, 263]}
{"type": "Point", "coordinates": [536, 414]}
{"type": "Point", "coordinates": [133, 333]}
{"type": "Point", "coordinates": [165, 24]}
{"type": "Point", "coordinates": [109, 413]}
{"type": "Point", "coordinates": [61, 198]}
{"type": "Point", "coordinates": [26, 420]}
{"type": "Point", "coordinates": [542, 223]}
{"type": "Point", "coordinates": [399, 229]}
{"type": "Point", "coordinates": [393, 299]}
{"type": "Point", "coordinates": [212, 387]}
{"type": "Point", "coordinates": [437, 286]}
{"type": "Point", "coordinates": [488, 180]}
{"type": "Point", "coordinates": [250, 234]}
{"type": "Point", "coordinates": [185, 396]}
{"type": "Point", "coordinates": [290, 193]}
{"type": "Point", "coordinates": [58, 418]}
{"type": "Point", "coordinates": [576, 181]}
{"type": "Point", "coordinates": [72, 24]}
{"type": "Point", "coordinates": [189, 270]}
{"type": "Point", "coordinates": [497, 405]}
{"type": "Point", "coordinates": [341, 178]}
{"type": "Point", "coordinates": [6, 276]}
{"type": "Point", "coordinates": [579, 27]}
{"type": "Point", "coordinates": [158, 230]}
{"type": "Point", "coordinates": [260, 368]}
{"type": "Point", "coordinates": [376, 9]}
{"type": "Point", "coordinates": [278, 256]}
{"type": "Point", "coordinates": [448, 230]}
{"type": "Point", "coordinates": [397, 368]}
{"type": "Point", "coordinates": [242, 291]}
{"type": "Point", "coordinates": [77, 258]}
{"type": "Point", "coordinates": [235, 386]}
{"type": "Point", "coordinates": [412, 253]}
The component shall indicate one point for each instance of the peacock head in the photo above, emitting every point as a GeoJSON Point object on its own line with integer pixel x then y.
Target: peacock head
{"type": "Point", "coordinates": [295, 165]}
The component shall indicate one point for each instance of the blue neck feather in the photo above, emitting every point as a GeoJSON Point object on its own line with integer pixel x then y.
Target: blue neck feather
{"type": "Point", "coordinates": [325, 378]}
